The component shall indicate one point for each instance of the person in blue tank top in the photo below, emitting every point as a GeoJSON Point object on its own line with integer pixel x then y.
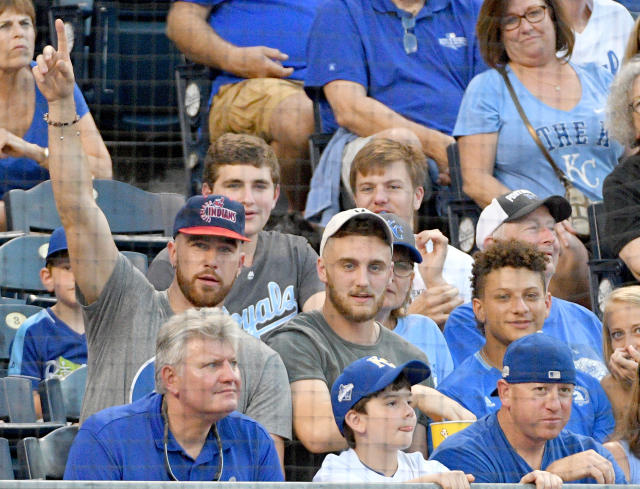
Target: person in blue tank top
{"type": "Point", "coordinates": [526, 439]}
{"type": "Point", "coordinates": [510, 301]}
{"type": "Point", "coordinates": [52, 343]}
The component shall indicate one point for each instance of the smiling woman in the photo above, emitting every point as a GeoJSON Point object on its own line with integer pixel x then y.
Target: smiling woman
{"type": "Point", "coordinates": [23, 129]}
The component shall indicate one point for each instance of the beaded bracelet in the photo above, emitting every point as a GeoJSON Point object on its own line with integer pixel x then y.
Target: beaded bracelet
{"type": "Point", "coordinates": [59, 124]}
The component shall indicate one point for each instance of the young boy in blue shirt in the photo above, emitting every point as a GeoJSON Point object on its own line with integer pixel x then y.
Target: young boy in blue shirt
{"type": "Point", "coordinates": [371, 403]}
{"type": "Point", "coordinates": [52, 342]}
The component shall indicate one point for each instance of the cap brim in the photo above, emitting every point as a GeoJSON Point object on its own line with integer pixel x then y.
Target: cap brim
{"type": "Point", "coordinates": [212, 231]}
{"type": "Point", "coordinates": [414, 254]}
{"type": "Point", "coordinates": [415, 371]}
{"type": "Point", "coordinates": [558, 206]}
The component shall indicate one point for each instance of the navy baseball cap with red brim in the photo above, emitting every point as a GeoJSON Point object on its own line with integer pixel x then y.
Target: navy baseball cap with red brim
{"type": "Point", "coordinates": [214, 215]}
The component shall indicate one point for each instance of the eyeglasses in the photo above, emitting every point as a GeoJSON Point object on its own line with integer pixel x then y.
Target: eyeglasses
{"type": "Point", "coordinates": [533, 16]}
{"type": "Point", "coordinates": [402, 269]}
{"type": "Point", "coordinates": [409, 41]}
{"type": "Point", "coordinates": [635, 106]}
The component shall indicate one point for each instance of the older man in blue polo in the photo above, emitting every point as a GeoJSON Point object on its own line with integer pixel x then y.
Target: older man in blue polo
{"type": "Point", "coordinates": [525, 441]}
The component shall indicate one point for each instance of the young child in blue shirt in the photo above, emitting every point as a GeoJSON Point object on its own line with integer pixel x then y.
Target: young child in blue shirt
{"type": "Point", "coordinates": [52, 342]}
{"type": "Point", "coordinates": [372, 407]}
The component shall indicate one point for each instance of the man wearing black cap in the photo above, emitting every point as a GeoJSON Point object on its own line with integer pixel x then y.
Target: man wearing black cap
{"type": "Point", "coordinates": [122, 310]}
{"type": "Point", "coordinates": [523, 216]}
{"type": "Point", "coordinates": [527, 434]}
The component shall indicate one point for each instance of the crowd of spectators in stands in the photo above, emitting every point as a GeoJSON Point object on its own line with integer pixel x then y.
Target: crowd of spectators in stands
{"type": "Point", "coordinates": [257, 358]}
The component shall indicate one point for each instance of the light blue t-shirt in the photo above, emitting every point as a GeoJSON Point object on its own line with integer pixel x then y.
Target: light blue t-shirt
{"type": "Point", "coordinates": [474, 381]}
{"type": "Point", "coordinates": [577, 326]}
{"type": "Point", "coordinates": [576, 139]}
{"type": "Point", "coordinates": [424, 333]}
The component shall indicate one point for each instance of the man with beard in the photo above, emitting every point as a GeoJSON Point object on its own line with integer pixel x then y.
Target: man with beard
{"type": "Point", "coordinates": [355, 265]}
{"type": "Point", "coordinates": [123, 311]}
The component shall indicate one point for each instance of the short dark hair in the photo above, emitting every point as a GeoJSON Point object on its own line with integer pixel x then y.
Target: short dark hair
{"type": "Point", "coordinates": [379, 153]}
{"type": "Point", "coordinates": [489, 31]}
{"type": "Point", "coordinates": [239, 149]}
{"type": "Point", "coordinates": [361, 406]}
{"type": "Point", "coordinates": [501, 254]}
{"type": "Point", "coordinates": [54, 259]}
{"type": "Point", "coordinates": [362, 226]}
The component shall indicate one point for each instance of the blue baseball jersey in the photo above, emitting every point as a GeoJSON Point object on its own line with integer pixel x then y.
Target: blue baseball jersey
{"type": "Point", "coordinates": [45, 346]}
{"type": "Point", "coordinates": [483, 450]}
{"type": "Point", "coordinates": [577, 326]}
{"type": "Point", "coordinates": [473, 382]}
{"type": "Point", "coordinates": [126, 443]}
{"type": "Point", "coordinates": [363, 41]}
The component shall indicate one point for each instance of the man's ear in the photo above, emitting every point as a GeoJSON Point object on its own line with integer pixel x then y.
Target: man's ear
{"type": "Point", "coordinates": [478, 310]}
{"type": "Point", "coordinates": [171, 248]}
{"type": "Point", "coordinates": [46, 278]}
{"type": "Point", "coordinates": [170, 379]}
{"type": "Point", "coordinates": [276, 196]}
{"type": "Point", "coordinates": [206, 189]}
{"type": "Point", "coordinates": [504, 391]}
{"type": "Point", "coordinates": [418, 195]}
{"type": "Point", "coordinates": [322, 270]}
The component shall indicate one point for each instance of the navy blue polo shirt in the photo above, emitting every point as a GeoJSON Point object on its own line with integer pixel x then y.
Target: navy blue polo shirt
{"type": "Point", "coordinates": [126, 443]}
{"type": "Point", "coordinates": [362, 41]}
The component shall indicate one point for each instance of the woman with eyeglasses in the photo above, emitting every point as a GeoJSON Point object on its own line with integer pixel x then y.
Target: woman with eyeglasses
{"type": "Point", "coordinates": [621, 344]}
{"type": "Point", "coordinates": [417, 329]}
{"type": "Point", "coordinates": [531, 42]}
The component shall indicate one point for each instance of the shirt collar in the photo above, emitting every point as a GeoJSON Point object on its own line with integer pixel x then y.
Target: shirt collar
{"type": "Point", "coordinates": [429, 8]}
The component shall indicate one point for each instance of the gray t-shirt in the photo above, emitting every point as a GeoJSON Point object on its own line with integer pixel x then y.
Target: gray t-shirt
{"type": "Point", "coordinates": [271, 291]}
{"type": "Point", "coordinates": [310, 349]}
{"type": "Point", "coordinates": [121, 327]}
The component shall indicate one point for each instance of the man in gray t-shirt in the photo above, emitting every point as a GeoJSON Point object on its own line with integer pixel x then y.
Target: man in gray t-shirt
{"type": "Point", "coordinates": [123, 311]}
{"type": "Point", "coordinates": [279, 277]}
{"type": "Point", "coordinates": [356, 267]}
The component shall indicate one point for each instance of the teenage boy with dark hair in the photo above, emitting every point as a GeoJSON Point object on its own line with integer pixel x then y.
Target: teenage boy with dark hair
{"type": "Point", "coordinates": [372, 407]}
{"type": "Point", "coordinates": [52, 342]}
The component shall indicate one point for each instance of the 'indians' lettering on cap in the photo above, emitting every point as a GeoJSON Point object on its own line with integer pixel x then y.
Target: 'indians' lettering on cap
{"type": "Point", "coordinates": [214, 215]}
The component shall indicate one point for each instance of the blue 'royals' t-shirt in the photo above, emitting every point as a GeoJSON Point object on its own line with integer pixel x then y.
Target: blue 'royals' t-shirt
{"type": "Point", "coordinates": [577, 326]}
{"type": "Point", "coordinates": [576, 139]}
{"type": "Point", "coordinates": [23, 172]}
{"type": "Point", "coordinates": [362, 41]}
{"type": "Point", "coordinates": [44, 347]}
{"type": "Point", "coordinates": [474, 380]}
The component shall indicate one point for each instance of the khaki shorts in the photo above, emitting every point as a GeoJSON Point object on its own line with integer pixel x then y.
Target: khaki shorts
{"type": "Point", "coordinates": [245, 107]}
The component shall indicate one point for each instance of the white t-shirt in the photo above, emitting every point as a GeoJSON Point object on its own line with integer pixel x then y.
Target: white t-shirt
{"type": "Point", "coordinates": [347, 467]}
{"type": "Point", "coordinates": [604, 39]}
{"type": "Point", "coordinates": [456, 271]}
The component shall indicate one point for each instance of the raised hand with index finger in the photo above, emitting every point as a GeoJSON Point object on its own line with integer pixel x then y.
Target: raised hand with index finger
{"type": "Point", "coordinates": [53, 71]}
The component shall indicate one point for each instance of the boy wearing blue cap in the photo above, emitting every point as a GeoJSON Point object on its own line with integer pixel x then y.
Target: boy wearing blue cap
{"type": "Point", "coordinates": [371, 402]}
{"type": "Point", "coordinates": [52, 342]}
{"type": "Point", "coordinates": [525, 441]}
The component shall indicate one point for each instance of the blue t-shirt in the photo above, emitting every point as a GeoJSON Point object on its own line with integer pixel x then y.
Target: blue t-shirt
{"type": "Point", "coordinates": [483, 450]}
{"type": "Point", "coordinates": [576, 139]}
{"type": "Point", "coordinates": [424, 333]}
{"type": "Point", "coordinates": [126, 443]}
{"type": "Point", "coordinates": [279, 24]}
{"type": "Point", "coordinates": [473, 382]}
{"type": "Point", "coordinates": [22, 172]}
{"type": "Point", "coordinates": [577, 326]}
{"type": "Point", "coordinates": [44, 347]}
{"type": "Point", "coordinates": [362, 41]}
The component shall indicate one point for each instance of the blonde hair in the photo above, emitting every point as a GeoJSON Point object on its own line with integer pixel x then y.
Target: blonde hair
{"type": "Point", "coordinates": [623, 295]}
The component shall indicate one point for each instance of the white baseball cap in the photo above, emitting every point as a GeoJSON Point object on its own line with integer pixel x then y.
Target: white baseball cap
{"type": "Point", "coordinates": [341, 218]}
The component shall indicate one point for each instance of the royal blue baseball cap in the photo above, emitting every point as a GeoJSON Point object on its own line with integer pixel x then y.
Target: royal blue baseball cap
{"type": "Point", "coordinates": [538, 358]}
{"type": "Point", "coordinates": [367, 376]}
{"type": "Point", "coordinates": [214, 215]}
{"type": "Point", "coordinates": [402, 235]}
{"type": "Point", "coordinates": [57, 242]}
